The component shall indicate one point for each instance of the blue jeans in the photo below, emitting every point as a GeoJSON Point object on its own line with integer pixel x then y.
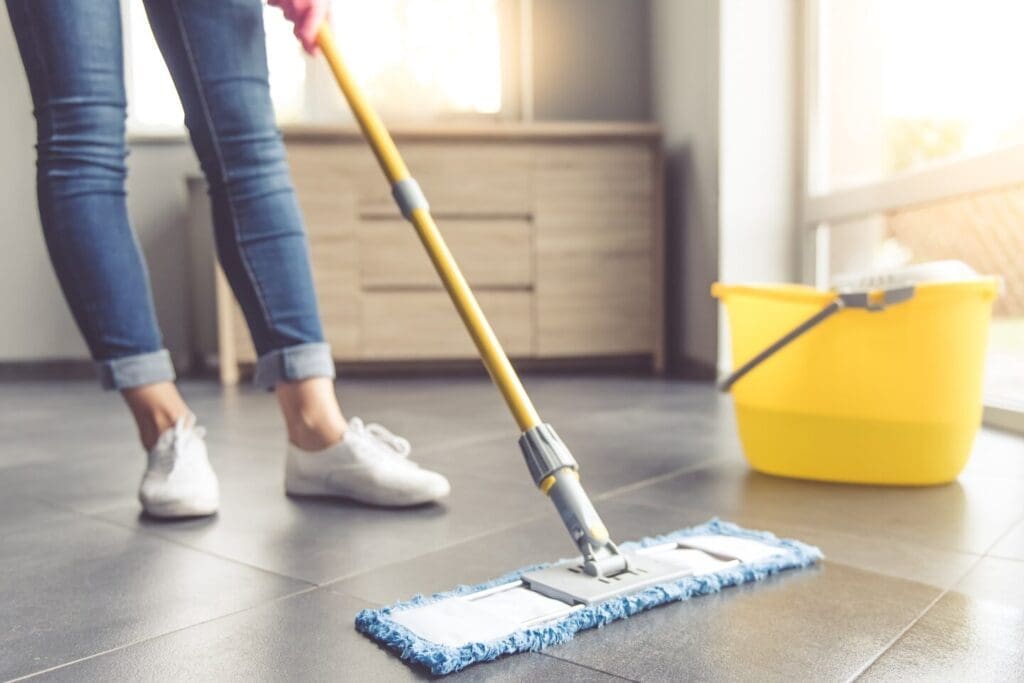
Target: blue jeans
{"type": "Point", "coordinates": [215, 50]}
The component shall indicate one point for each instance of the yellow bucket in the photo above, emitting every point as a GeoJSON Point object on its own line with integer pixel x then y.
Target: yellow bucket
{"type": "Point", "coordinates": [871, 397]}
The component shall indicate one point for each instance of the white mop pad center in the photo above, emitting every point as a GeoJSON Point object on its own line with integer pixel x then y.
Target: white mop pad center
{"type": "Point", "coordinates": [482, 616]}
{"type": "Point", "coordinates": [496, 612]}
{"type": "Point", "coordinates": [742, 549]}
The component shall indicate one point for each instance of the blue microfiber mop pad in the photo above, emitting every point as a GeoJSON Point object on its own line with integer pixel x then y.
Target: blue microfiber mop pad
{"type": "Point", "coordinates": [442, 659]}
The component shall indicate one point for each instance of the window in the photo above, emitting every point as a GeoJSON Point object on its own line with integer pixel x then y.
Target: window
{"type": "Point", "coordinates": [906, 83]}
{"type": "Point", "coordinates": [432, 57]}
{"type": "Point", "coordinates": [153, 105]}
{"type": "Point", "coordinates": [915, 151]}
{"type": "Point", "coordinates": [416, 59]}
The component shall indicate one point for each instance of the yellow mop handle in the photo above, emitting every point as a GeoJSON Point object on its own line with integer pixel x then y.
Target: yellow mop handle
{"type": "Point", "coordinates": [397, 173]}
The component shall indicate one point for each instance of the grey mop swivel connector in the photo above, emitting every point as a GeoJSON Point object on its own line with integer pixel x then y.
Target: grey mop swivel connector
{"type": "Point", "coordinates": [556, 473]}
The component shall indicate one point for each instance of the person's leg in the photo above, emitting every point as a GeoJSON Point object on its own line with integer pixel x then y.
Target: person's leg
{"type": "Point", "coordinates": [156, 408]}
{"type": "Point", "coordinates": [311, 412]}
{"type": "Point", "coordinates": [72, 55]}
{"type": "Point", "coordinates": [216, 53]}
{"type": "Point", "coordinates": [217, 57]}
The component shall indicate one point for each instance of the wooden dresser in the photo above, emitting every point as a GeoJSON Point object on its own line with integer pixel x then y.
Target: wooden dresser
{"type": "Point", "coordinates": [557, 227]}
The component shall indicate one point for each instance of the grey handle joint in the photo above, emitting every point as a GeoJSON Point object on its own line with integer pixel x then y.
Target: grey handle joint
{"type": "Point", "coordinates": [877, 300]}
{"type": "Point", "coordinates": [545, 452]}
{"type": "Point", "coordinates": [409, 197]}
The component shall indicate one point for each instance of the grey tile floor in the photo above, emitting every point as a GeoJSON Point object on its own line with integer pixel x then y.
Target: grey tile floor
{"type": "Point", "coordinates": [923, 583]}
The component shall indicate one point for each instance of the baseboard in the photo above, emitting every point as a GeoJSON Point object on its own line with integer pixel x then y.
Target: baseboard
{"type": "Point", "coordinates": [1006, 417]}
{"type": "Point", "coordinates": [636, 365]}
{"type": "Point", "coordinates": [71, 369]}
{"type": "Point", "coordinates": [642, 365]}
{"type": "Point", "coordinates": [66, 369]}
{"type": "Point", "coordinates": [686, 367]}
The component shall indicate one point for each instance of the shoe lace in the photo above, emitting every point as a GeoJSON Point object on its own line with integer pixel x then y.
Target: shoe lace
{"type": "Point", "coordinates": [170, 449]}
{"type": "Point", "coordinates": [398, 445]}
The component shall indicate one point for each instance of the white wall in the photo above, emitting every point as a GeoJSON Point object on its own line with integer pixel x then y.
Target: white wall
{"type": "Point", "coordinates": [759, 235]}
{"type": "Point", "coordinates": [685, 91]}
{"type": "Point", "coordinates": [34, 319]}
{"type": "Point", "coordinates": [725, 91]}
{"type": "Point", "coordinates": [36, 324]}
{"type": "Point", "coordinates": [758, 141]}
{"type": "Point", "coordinates": [591, 60]}
{"type": "Point", "coordinates": [157, 205]}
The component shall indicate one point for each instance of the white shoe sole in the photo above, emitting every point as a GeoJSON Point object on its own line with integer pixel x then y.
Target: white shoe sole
{"type": "Point", "coordinates": [296, 485]}
{"type": "Point", "coordinates": [181, 509]}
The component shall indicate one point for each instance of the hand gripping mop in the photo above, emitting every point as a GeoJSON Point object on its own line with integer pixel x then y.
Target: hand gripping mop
{"type": "Point", "coordinates": [539, 606]}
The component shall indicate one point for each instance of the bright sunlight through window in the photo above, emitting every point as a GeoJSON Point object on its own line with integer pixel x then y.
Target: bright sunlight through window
{"type": "Point", "coordinates": [434, 56]}
{"type": "Point", "coordinates": [417, 59]}
{"type": "Point", "coordinates": [911, 82]}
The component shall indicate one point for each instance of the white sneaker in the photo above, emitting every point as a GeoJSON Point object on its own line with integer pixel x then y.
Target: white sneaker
{"type": "Point", "coordinates": [369, 464]}
{"type": "Point", "coordinates": [179, 481]}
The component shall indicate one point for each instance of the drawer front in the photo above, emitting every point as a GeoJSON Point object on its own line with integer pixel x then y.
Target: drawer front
{"type": "Point", "coordinates": [558, 240]}
{"type": "Point", "coordinates": [595, 258]}
{"type": "Point", "coordinates": [243, 340]}
{"type": "Point", "coordinates": [490, 252]}
{"type": "Point", "coordinates": [335, 263]}
{"type": "Point", "coordinates": [601, 305]}
{"type": "Point", "coordinates": [327, 180]}
{"type": "Point", "coordinates": [424, 324]}
{"type": "Point", "coordinates": [460, 179]}
{"type": "Point", "coordinates": [593, 198]}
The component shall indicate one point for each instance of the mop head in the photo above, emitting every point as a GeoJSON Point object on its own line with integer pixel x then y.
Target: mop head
{"type": "Point", "coordinates": [450, 631]}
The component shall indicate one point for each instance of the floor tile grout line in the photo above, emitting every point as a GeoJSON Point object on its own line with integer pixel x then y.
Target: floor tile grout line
{"type": "Point", "coordinates": [895, 639]}
{"type": "Point", "coordinates": [975, 555]}
{"type": "Point", "coordinates": [1001, 558]}
{"type": "Point", "coordinates": [988, 550]}
{"type": "Point", "coordinates": [587, 667]}
{"type": "Point", "coordinates": [637, 485]}
{"type": "Point", "coordinates": [458, 442]}
{"type": "Point", "coordinates": [899, 636]}
{"type": "Point", "coordinates": [95, 517]}
{"type": "Point", "coordinates": [160, 537]}
{"type": "Point", "coordinates": [1010, 530]}
{"type": "Point", "coordinates": [456, 544]}
{"type": "Point", "coordinates": [492, 434]}
{"type": "Point", "coordinates": [525, 522]}
{"type": "Point", "coordinates": [770, 521]}
{"type": "Point", "coordinates": [288, 596]}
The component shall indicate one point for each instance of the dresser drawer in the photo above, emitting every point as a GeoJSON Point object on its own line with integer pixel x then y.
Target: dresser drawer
{"type": "Point", "coordinates": [335, 263]}
{"type": "Point", "coordinates": [423, 324]}
{"type": "Point", "coordinates": [491, 253]}
{"type": "Point", "coordinates": [460, 179]}
{"type": "Point", "coordinates": [556, 227]}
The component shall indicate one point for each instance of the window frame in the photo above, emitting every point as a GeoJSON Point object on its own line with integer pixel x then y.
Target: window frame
{"type": "Point", "coordinates": [933, 182]}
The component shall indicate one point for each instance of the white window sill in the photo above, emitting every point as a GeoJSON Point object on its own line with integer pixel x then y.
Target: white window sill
{"type": "Point", "coordinates": [1005, 416]}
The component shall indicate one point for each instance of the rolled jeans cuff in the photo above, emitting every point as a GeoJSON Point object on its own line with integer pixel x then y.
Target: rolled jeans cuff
{"type": "Point", "coordinates": [137, 370]}
{"type": "Point", "coordinates": [294, 363]}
